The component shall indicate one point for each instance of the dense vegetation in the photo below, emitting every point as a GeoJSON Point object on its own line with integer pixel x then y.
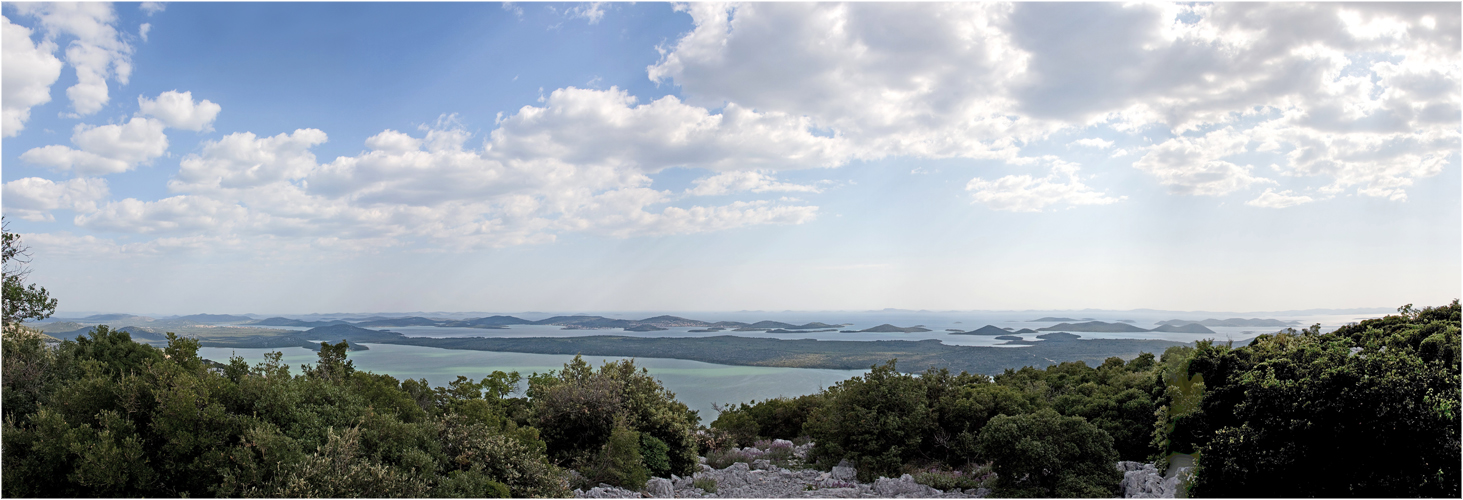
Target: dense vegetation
{"type": "Point", "coordinates": [1369, 410]}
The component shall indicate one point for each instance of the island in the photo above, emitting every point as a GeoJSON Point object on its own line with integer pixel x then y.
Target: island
{"type": "Point", "coordinates": [985, 330]}
{"type": "Point", "coordinates": [1092, 326]}
{"type": "Point", "coordinates": [888, 328]}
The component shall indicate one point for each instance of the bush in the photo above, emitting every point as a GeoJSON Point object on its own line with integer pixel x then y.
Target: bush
{"type": "Point", "coordinates": [958, 479]}
{"type": "Point", "coordinates": [1369, 410]}
{"type": "Point", "coordinates": [1045, 454]}
{"type": "Point", "coordinates": [577, 409]}
{"type": "Point", "coordinates": [707, 484]}
{"type": "Point", "coordinates": [876, 421]}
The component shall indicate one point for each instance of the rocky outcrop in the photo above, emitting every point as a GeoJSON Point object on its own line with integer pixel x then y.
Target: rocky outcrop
{"type": "Point", "coordinates": [1142, 480]}
{"type": "Point", "coordinates": [761, 479]}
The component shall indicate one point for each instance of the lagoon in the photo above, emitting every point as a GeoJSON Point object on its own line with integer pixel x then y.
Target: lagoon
{"type": "Point", "coordinates": [699, 385]}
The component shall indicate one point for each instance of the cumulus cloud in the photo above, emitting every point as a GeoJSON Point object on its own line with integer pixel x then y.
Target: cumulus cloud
{"type": "Point", "coordinates": [97, 52]}
{"type": "Point", "coordinates": [1283, 199]}
{"type": "Point", "coordinates": [33, 198]}
{"type": "Point", "coordinates": [429, 187]}
{"type": "Point", "coordinates": [1195, 165]}
{"type": "Point", "coordinates": [917, 79]}
{"type": "Point", "coordinates": [732, 182]}
{"type": "Point", "coordinates": [1093, 142]}
{"type": "Point", "coordinates": [151, 8]}
{"type": "Point", "coordinates": [1024, 193]}
{"type": "Point", "coordinates": [608, 128]}
{"type": "Point", "coordinates": [243, 160]}
{"type": "Point", "coordinates": [108, 149]}
{"type": "Point", "coordinates": [29, 70]}
{"type": "Point", "coordinates": [1327, 80]}
{"type": "Point", "coordinates": [178, 110]}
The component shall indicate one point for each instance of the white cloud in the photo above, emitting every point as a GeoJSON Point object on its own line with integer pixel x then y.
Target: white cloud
{"type": "Point", "coordinates": [151, 8]}
{"type": "Point", "coordinates": [885, 75]}
{"type": "Point", "coordinates": [594, 12]}
{"type": "Point", "coordinates": [143, 30]}
{"type": "Point", "coordinates": [607, 128]}
{"type": "Point", "coordinates": [242, 160]}
{"type": "Point", "coordinates": [97, 53]}
{"type": "Point", "coordinates": [178, 110]}
{"type": "Point", "coordinates": [1329, 80]}
{"type": "Point", "coordinates": [1024, 193]}
{"type": "Point", "coordinates": [177, 214]}
{"type": "Point", "coordinates": [1194, 165]}
{"type": "Point", "coordinates": [107, 149]}
{"type": "Point", "coordinates": [33, 198]}
{"type": "Point", "coordinates": [732, 182]}
{"type": "Point", "coordinates": [29, 70]}
{"type": "Point", "coordinates": [1283, 199]}
{"type": "Point", "coordinates": [1093, 142]}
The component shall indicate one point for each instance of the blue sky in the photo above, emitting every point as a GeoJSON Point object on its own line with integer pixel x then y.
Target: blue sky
{"type": "Point", "coordinates": [294, 158]}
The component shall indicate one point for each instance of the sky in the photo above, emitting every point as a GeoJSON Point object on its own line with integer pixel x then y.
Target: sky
{"type": "Point", "coordinates": [291, 158]}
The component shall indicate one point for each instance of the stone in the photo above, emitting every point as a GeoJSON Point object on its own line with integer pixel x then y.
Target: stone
{"type": "Point", "coordinates": [659, 487]}
{"type": "Point", "coordinates": [904, 487]}
{"type": "Point", "coordinates": [843, 473]}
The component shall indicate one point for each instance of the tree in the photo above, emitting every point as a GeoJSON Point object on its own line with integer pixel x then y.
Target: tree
{"type": "Point", "coordinates": [1044, 454]}
{"type": "Point", "coordinates": [22, 302]}
{"type": "Point", "coordinates": [1370, 410]}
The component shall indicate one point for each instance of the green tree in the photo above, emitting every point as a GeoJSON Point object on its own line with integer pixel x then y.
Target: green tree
{"type": "Point", "coordinates": [22, 302]}
{"type": "Point", "coordinates": [1369, 410]}
{"type": "Point", "coordinates": [1045, 454]}
{"type": "Point", "coordinates": [877, 421]}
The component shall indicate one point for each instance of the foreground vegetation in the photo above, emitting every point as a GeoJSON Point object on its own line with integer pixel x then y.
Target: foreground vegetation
{"type": "Point", "coordinates": [1369, 410]}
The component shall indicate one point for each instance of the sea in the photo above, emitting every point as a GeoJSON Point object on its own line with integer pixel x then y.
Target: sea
{"type": "Point", "coordinates": [705, 387]}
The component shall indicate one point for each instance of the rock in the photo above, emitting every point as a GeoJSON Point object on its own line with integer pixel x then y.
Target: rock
{"type": "Point", "coordinates": [904, 487]}
{"type": "Point", "coordinates": [1142, 480]}
{"type": "Point", "coordinates": [606, 491]}
{"type": "Point", "coordinates": [659, 487]}
{"type": "Point", "coordinates": [844, 473]}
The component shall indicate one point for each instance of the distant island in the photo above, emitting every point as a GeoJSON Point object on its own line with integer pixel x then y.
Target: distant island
{"type": "Point", "coordinates": [1233, 322]}
{"type": "Point", "coordinates": [1092, 326]}
{"type": "Point", "coordinates": [888, 328]}
{"type": "Point", "coordinates": [985, 330]}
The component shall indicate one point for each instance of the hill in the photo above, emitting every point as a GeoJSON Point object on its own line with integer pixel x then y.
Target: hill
{"type": "Point", "coordinates": [214, 318]}
{"type": "Point", "coordinates": [279, 321]}
{"type": "Point", "coordinates": [888, 328]}
{"type": "Point", "coordinates": [1189, 328]}
{"type": "Point", "coordinates": [1092, 326]}
{"type": "Point", "coordinates": [984, 330]}
{"type": "Point", "coordinates": [1234, 322]}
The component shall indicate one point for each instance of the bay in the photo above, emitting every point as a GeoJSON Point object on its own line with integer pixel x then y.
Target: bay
{"type": "Point", "coordinates": [699, 385]}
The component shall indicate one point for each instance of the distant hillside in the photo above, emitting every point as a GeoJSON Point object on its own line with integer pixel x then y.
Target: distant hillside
{"type": "Point", "coordinates": [1025, 330]}
{"type": "Point", "coordinates": [337, 333]}
{"type": "Point", "coordinates": [672, 322]}
{"type": "Point", "coordinates": [888, 328]}
{"type": "Point", "coordinates": [1092, 326]}
{"type": "Point", "coordinates": [213, 318]}
{"type": "Point", "coordinates": [409, 321]}
{"type": "Point", "coordinates": [278, 321]}
{"type": "Point", "coordinates": [1049, 318]}
{"type": "Point", "coordinates": [985, 330]}
{"type": "Point", "coordinates": [1189, 328]}
{"type": "Point", "coordinates": [644, 328]}
{"type": "Point", "coordinates": [585, 322]}
{"type": "Point", "coordinates": [1233, 322]}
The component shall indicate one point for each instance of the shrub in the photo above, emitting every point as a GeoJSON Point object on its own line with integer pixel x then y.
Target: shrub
{"type": "Point", "coordinates": [577, 409]}
{"type": "Point", "coordinates": [707, 484]}
{"type": "Point", "coordinates": [958, 479]}
{"type": "Point", "coordinates": [1045, 454]}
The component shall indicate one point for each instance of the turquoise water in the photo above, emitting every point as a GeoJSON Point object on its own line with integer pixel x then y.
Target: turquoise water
{"type": "Point", "coordinates": [698, 384]}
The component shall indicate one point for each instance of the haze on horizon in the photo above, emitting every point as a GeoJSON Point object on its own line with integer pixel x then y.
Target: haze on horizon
{"type": "Point", "coordinates": [301, 158]}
